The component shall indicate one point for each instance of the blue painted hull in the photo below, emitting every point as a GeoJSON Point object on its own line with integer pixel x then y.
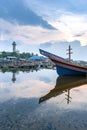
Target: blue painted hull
{"type": "Point", "coordinates": [64, 71]}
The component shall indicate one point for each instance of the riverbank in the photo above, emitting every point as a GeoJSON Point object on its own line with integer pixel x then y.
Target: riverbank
{"type": "Point", "coordinates": [22, 63]}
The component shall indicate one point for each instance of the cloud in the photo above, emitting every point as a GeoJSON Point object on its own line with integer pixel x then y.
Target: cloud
{"type": "Point", "coordinates": [17, 12]}
{"type": "Point", "coordinates": [25, 34]}
{"type": "Point", "coordinates": [64, 16]}
{"type": "Point", "coordinates": [68, 26]}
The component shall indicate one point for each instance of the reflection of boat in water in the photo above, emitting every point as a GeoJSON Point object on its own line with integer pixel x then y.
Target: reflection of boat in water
{"type": "Point", "coordinates": [65, 67]}
{"type": "Point", "coordinates": [64, 84]}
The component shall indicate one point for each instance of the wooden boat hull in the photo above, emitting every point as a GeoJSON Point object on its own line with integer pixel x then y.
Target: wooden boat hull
{"type": "Point", "coordinates": [63, 67]}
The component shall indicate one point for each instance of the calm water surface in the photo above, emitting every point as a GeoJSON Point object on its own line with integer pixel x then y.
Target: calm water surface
{"type": "Point", "coordinates": [40, 100]}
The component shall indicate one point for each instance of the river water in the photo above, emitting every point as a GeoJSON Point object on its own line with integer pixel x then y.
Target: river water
{"type": "Point", "coordinates": [41, 100]}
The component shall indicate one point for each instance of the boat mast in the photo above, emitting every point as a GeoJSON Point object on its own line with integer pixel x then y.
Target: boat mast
{"type": "Point", "coordinates": [69, 53]}
{"type": "Point", "coordinates": [69, 58]}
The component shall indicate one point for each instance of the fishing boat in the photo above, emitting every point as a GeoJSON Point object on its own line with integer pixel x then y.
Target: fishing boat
{"type": "Point", "coordinates": [64, 67]}
{"type": "Point", "coordinates": [63, 85]}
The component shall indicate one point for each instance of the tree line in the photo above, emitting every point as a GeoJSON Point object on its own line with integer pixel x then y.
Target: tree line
{"type": "Point", "coordinates": [24, 55]}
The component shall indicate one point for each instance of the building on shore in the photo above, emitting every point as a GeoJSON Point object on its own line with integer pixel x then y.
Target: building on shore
{"type": "Point", "coordinates": [14, 46]}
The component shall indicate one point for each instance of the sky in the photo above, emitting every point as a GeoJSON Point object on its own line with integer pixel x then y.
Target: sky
{"type": "Point", "coordinates": [51, 25]}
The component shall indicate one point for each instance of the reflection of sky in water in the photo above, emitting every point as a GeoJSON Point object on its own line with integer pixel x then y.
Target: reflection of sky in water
{"type": "Point", "coordinates": [20, 108]}
{"type": "Point", "coordinates": [27, 85]}
{"type": "Point", "coordinates": [78, 100]}
{"type": "Point", "coordinates": [37, 84]}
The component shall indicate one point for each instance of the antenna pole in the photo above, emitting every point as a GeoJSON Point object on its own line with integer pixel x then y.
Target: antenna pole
{"type": "Point", "coordinates": [69, 53]}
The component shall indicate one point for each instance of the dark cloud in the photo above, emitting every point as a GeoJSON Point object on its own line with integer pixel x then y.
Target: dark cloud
{"type": "Point", "coordinates": [16, 12]}
{"type": "Point", "coordinates": [79, 35]}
